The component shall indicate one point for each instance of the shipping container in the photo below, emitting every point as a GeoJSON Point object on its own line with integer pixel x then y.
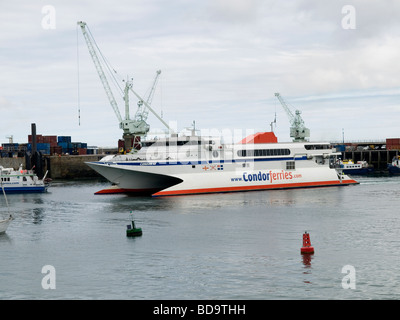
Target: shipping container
{"type": "Point", "coordinates": [66, 147]}
{"type": "Point", "coordinates": [39, 138]}
{"type": "Point", "coordinates": [55, 150]}
{"type": "Point", "coordinates": [50, 139]}
{"type": "Point", "coordinates": [10, 146]}
{"type": "Point", "coordinates": [92, 150]}
{"type": "Point", "coordinates": [340, 148]}
{"type": "Point", "coordinates": [64, 139]}
{"type": "Point", "coordinates": [393, 141]}
{"type": "Point", "coordinates": [23, 147]}
{"type": "Point", "coordinates": [82, 151]}
{"type": "Point", "coordinates": [43, 148]}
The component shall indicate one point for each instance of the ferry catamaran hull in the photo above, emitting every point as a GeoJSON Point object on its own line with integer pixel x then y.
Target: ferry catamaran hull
{"type": "Point", "coordinates": [132, 181]}
{"type": "Point", "coordinates": [194, 165]}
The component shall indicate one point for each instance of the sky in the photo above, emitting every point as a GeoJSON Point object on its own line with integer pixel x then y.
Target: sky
{"type": "Point", "coordinates": [221, 63]}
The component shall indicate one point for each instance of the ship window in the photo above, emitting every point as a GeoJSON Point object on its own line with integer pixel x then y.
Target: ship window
{"type": "Point", "coordinates": [316, 146]}
{"type": "Point", "coordinates": [147, 144]}
{"type": "Point", "coordinates": [290, 165]}
{"type": "Point", "coordinates": [263, 152]}
{"type": "Point", "coordinates": [168, 143]}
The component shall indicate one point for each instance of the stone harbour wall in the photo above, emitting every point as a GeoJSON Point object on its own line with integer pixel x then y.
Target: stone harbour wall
{"type": "Point", "coordinates": [71, 167]}
{"type": "Point", "coordinates": [60, 167]}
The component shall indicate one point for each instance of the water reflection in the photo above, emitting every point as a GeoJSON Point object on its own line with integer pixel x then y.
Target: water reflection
{"type": "Point", "coordinates": [37, 215]}
{"type": "Point", "coordinates": [307, 259]}
{"type": "Point", "coordinates": [5, 238]}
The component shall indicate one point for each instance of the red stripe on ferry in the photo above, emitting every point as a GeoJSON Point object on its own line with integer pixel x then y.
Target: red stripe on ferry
{"type": "Point", "coordinates": [254, 188]}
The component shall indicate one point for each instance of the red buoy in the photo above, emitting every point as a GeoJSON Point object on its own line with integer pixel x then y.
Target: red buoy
{"type": "Point", "coordinates": [307, 248]}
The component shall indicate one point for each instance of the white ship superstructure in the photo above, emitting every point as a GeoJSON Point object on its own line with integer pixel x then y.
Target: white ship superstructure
{"type": "Point", "coordinates": [196, 165]}
{"type": "Point", "coordinates": [22, 181]}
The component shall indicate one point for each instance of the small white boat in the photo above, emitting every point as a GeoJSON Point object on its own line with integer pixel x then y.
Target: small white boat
{"type": "Point", "coordinates": [22, 181]}
{"type": "Point", "coordinates": [4, 224]}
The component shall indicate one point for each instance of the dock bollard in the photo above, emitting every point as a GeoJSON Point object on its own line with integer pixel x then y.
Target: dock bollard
{"type": "Point", "coordinates": [307, 248]}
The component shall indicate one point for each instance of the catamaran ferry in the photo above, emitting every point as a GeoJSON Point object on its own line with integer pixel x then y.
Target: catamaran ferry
{"type": "Point", "coordinates": [197, 165]}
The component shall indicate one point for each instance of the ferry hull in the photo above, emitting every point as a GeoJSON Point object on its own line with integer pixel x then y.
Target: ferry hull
{"type": "Point", "coordinates": [256, 188]}
{"type": "Point", "coordinates": [133, 182]}
{"type": "Point", "coordinates": [184, 180]}
{"type": "Point", "coordinates": [257, 180]}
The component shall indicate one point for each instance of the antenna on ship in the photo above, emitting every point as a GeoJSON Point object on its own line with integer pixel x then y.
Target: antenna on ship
{"type": "Point", "coordinates": [192, 129]}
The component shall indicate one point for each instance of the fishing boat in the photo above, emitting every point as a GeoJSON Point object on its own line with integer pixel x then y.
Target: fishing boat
{"type": "Point", "coordinates": [359, 168]}
{"type": "Point", "coordinates": [22, 181]}
{"type": "Point", "coordinates": [394, 167]}
{"type": "Point", "coordinates": [182, 165]}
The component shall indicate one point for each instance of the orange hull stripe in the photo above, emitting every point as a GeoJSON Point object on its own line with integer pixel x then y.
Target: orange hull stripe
{"type": "Point", "coordinates": [110, 191]}
{"type": "Point", "coordinates": [262, 187]}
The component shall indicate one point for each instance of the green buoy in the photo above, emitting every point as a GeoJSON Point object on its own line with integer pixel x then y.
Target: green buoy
{"type": "Point", "coordinates": [131, 230]}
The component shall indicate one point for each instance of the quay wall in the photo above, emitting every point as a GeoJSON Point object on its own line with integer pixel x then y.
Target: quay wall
{"type": "Point", "coordinates": [12, 162]}
{"type": "Point", "coordinates": [60, 167]}
{"type": "Point", "coordinates": [71, 167]}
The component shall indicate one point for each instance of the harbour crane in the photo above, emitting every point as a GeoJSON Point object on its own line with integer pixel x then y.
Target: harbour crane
{"type": "Point", "coordinates": [298, 131]}
{"type": "Point", "coordinates": [133, 129]}
{"type": "Point", "coordinates": [142, 111]}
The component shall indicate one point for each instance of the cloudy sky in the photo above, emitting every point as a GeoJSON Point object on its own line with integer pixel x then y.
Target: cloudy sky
{"type": "Point", "coordinates": [221, 62]}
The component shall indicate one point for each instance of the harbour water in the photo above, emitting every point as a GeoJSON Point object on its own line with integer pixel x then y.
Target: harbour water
{"type": "Point", "coordinates": [219, 246]}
